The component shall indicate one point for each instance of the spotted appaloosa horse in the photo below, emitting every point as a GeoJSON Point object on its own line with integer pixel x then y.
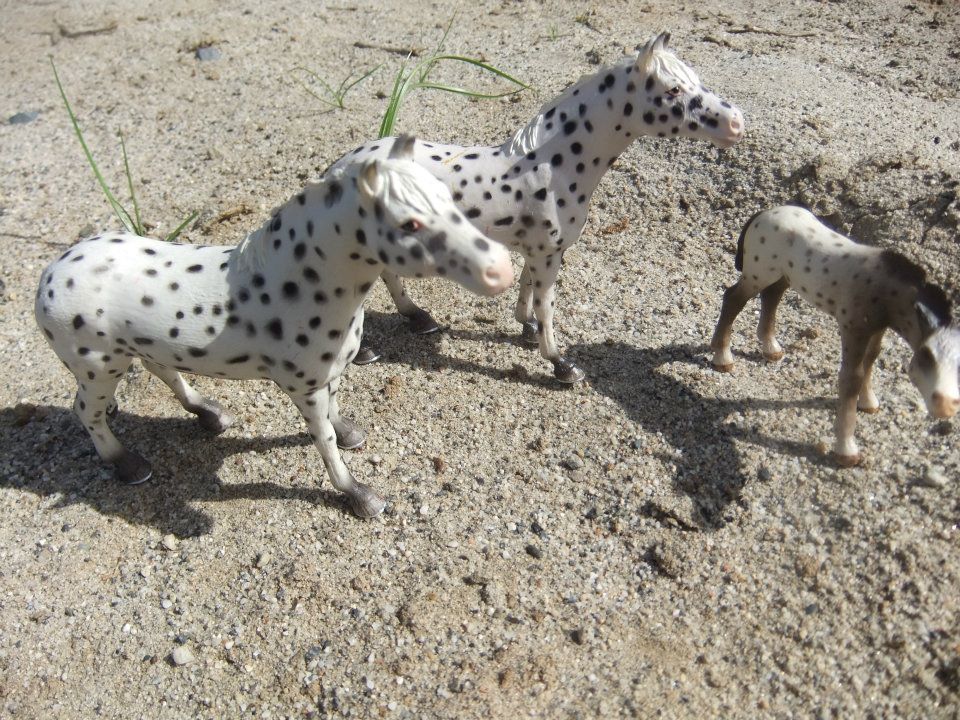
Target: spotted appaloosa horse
{"type": "Point", "coordinates": [285, 305]}
{"type": "Point", "coordinates": [866, 289]}
{"type": "Point", "coordinates": [532, 192]}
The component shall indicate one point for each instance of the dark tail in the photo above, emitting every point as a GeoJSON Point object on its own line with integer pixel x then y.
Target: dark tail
{"type": "Point", "coordinates": [738, 260]}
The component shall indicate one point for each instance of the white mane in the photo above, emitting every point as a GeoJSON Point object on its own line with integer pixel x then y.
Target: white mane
{"type": "Point", "coordinates": [661, 63]}
{"type": "Point", "coordinates": [401, 185]}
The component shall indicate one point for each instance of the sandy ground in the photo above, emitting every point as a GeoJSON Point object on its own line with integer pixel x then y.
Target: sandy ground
{"type": "Point", "coordinates": [660, 541]}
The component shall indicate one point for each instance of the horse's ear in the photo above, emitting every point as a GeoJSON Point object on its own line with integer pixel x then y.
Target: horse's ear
{"type": "Point", "coordinates": [663, 39]}
{"type": "Point", "coordinates": [403, 148]}
{"type": "Point", "coordinates": [369, 182]}
{"type": "Point", "coordinates": [645, 53]}
{"type": "Point", "coordinates": [927, 317]}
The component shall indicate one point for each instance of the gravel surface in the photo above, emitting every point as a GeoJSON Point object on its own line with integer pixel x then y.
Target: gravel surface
{"type": "Point", "coordinates": [661, 540]}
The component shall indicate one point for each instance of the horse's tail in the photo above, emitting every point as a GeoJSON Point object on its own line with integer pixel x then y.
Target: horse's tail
{"type": "Point", "coordinates": [738, 259]}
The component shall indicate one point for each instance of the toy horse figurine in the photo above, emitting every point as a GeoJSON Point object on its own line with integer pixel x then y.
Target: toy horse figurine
{"type": "Point", "coordinates": [286, 305]}
{"type": "Point", "coordinates": [866, 289]}
{"type": "Point", "coordinates": [532, 192]}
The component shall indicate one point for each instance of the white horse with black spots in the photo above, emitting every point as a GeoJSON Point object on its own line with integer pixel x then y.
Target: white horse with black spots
{"type": "Point", "coordinates": [532, 192]}
{"type": "Point", "coordinates": [285, 305]}
{"type": "Point", "coordinates": [866, 289]}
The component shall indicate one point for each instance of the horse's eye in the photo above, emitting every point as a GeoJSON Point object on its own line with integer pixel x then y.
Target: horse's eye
{"type": "Point", "coordinates": [674, 91]}
{"type": "Point", "coordinates": [411, 226]}
{"type": "Point", "coordinates": [925, 359]}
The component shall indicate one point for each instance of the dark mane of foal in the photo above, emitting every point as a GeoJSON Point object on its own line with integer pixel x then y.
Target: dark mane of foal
{"type": "Point", "coordinates": [738, 259]}
{"type": "Point", "coordinates": [907, 271]}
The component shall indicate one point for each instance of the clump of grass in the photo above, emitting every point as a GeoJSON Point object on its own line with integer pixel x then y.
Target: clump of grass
{"type": "Point", "coordinates": [131, 222]}
{"type": "Point", "coordinates": [334, 96]}
{"type": "Point", "coordinates": [417, 77]}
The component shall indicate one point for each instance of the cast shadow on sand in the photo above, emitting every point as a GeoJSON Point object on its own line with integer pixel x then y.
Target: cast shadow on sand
{"type": "Point", "coordinates": [55, 460]}
{"type": "Point", "coordinates": [708, 466]}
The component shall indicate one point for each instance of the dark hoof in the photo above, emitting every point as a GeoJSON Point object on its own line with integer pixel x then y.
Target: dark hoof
{"type": "Point", "coordinates": [365, 355]}
{"type": "Point", "coordinates": [365, 502]}
{"type": "Point", "coordinates": [567, 372]}
{"type": "Point", "coordinates": [529, 335]}
{"type": "Point", "coordinates": [213, 418]}
{"type": "Point", "coordinates": [131, 469]}
{"type": "Point", "coordinates": [421, 323]}
{"type": "Point", "coordinates": [349, 436]}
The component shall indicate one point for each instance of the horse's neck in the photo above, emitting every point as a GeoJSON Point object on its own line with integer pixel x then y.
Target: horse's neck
{"type": "Point", "coordinates": [586, 116]}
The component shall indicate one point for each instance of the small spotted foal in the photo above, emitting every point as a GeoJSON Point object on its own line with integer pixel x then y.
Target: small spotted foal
{"type": "Point", "coordinates": [866, 289]}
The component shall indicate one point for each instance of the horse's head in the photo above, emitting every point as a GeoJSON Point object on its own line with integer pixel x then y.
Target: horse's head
{"type": "Point", "coordinates": [416, 230]}
{"type": "Point", "coordinates": [935, 365]}
{"type": "Point", "coordinates": [673, 102]}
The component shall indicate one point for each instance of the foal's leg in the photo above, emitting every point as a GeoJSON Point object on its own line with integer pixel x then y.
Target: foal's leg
{"type": "Point", "coordinates": [315, 408]}
{"type": "Point", "coordinates": [734, 299]}
{"type": "Point", "coordinates": [92, 405]}
{"type": "Point", "coordinates": [543, 273]}
{"type": "Point", "coordinates": [524, 311]}
{"type": "Point", "coordinates": [769, 301]}
{"type": "Point", "coordinates": [349, 436]}
{"type": "Point", "coordinates": [420, 321]}
{"type": "Point", "coordinates": [852, 375]}
{"type": "Point", "coordinates": [867, 401]}
{"type": "Point", "coordinates": [210, 413]}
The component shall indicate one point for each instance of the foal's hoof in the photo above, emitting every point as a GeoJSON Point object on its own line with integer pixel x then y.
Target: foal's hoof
{"type": "Point", "coordinates": [846, 460]}
{"type": "Point", "coordinates": [529, 333]}
{"type": "Point", "coordinates": [776, 356]}
{"type": "Point", "coordinates": [724, 367]}
{"type": "Point", "coordinates": [567, 372]}
{"type": "Point", "coordinates": [365, 355]}
{"type": "Point", "coordinates": [365, 502]}
{"type": "Point", "coordinates": [132, 469]}
{"type": "Point", "coordinates": [421, 323]}
{"type": "Point", "coordinates": [213, 417]}
{"type": "Point", "coordinates": [349, 436]}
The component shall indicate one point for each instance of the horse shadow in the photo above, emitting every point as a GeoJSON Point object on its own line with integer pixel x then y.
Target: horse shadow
{"type": "Point", "coordinates": [49, 454]}
{"type": "Point", "coordinates": [708, 465]}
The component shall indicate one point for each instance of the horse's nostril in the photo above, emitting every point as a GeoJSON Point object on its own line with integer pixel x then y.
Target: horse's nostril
{"type": "Point", "coordinates": [735, 124]}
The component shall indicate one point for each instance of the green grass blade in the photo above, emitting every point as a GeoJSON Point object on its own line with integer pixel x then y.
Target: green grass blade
{"type": "Point", "coordinates": [179, 229]}
{"type": "Point", "coordinates": [484, 66]}
{"type": "Point", "coordinates": [122, 214]}
{"type": "Point", "coordinates": [393, 106]}
{"type": "Point", "coordinates": [138, 222]}
{"type": "Point", "coordinates": [464, 91]}
{"type": "Point", "coordinates": [359, 79]}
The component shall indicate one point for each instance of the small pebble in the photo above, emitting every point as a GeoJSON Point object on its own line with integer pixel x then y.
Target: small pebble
{"type": "Point", "coordinates": [933, 477]}
{"type": "Point", "coordinates": [22, 118]}
{"type": "Point", "coordinates": [169, 542]}
{"type": "Point", "coordinates": [182, 656]}
{"type": "Point", "coordinates": [208, 53]}
{"type": "Point", "coordinates": [263, 559]}
{"type": "Point", "coordinates": [534, 552]}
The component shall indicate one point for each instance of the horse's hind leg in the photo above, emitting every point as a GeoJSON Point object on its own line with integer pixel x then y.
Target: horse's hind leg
{"type": "Point", "coordinates": [524, 310]}
{"type": "Point", "coordinates": [734, 300]}
{"type": "Point", "coordinates": [769, 301]}
{"type": "Point", "coordinates": [210, 413]}
{"type": "Point", "coordinates": [92, 406]}
{"type": "Point", "coordinates": [420, 321]}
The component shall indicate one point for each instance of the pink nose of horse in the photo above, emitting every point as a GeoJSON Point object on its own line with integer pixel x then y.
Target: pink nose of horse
{"type": "Point", "coordinates": [944, 407]}
{"type": "Point", "coordinates": [736, 125]}
{"type": "Point", "coordinates": [499, 276]}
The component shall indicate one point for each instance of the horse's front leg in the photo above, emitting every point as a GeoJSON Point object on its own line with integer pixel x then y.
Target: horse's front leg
{"type": "Point", "coordinates": [315, 408]}
{"type": "Point", "coordinates": [349, 435]}
{"type": "Point", "coordinates": [543, 274]}
{"type": "Point", "coordinates": [524, 310]}
{"type": "Point", "coordinates": [852, 375]}
{"type": "Point", "coordinates": [421, 323]}
{"type": "Point", "coordinates": [867, 401]}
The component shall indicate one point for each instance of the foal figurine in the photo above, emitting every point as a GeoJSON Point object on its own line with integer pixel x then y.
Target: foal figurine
{"type": "Point", "coordinates": [866, 289]}
{"type": "Point", "coordinates": [285, 305]}
{"type": "Point", "coordinates": [532, 192]}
